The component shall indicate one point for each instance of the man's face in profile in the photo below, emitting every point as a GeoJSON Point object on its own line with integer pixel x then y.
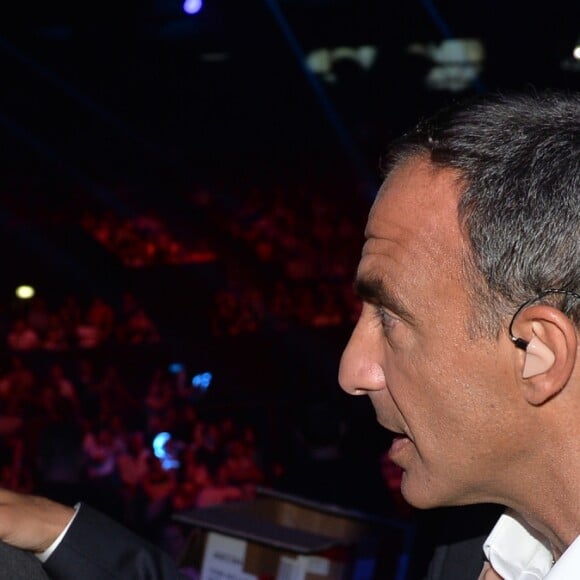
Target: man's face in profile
{"type": "Point", "coordinates": [438, 389]}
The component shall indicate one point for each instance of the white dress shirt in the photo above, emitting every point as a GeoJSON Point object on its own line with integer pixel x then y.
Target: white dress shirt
{"type": "Point", "coordinates": [518, 552]}
{"type": "Point", "coordinates": [44, 556]}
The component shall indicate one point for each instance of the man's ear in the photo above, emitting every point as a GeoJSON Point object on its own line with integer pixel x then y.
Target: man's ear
{"type": "Point", "coordinates": [551, 352]}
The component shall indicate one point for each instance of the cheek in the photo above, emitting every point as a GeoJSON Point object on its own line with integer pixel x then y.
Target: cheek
{"type": "Point", "coordinates": [432, 382]}
{"type": "Point", "coordinates": [409, 369]}
{"type": "Point", "coordinates": [434, 393]}
{"type": "Point", "coordinates": [461, 392]}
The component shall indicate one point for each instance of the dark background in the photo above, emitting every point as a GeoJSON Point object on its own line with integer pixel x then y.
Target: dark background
{"type": "Point", "coordinates": [128, 105]}
{"type": "Point", "coordinates": [146, 93]}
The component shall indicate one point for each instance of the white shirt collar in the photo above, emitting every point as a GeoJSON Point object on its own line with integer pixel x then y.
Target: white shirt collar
{"type": "Point", "coordinates": [518, 552]}
{"type": "Point", "coordinates": [568, 565]}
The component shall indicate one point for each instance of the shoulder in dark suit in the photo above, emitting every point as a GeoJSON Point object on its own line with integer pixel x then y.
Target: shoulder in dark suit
{"type": "Point", "coordinates": [19, 565]}
{"type": "Point", "coordinates": [96, 548]}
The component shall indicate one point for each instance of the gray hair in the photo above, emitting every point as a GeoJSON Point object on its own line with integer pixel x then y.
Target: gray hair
{"type": "Point", "coordinates": [518, 158]}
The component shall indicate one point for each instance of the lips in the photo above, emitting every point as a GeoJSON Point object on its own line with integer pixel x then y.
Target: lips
{"type": "Point", "coordinates": [400, 442]}
{"type": "Point", "coordinates": [398, 447]}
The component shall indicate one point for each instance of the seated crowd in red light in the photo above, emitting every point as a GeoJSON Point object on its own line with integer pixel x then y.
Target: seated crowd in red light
{"type": "Point", "coordinates": [33, 325]}
{"type": "Point", "coordinates": [85, 429]}
{"type": "Point", "coordinates": [287, 253]}
{"type": "Point", "coordinates": [79, 431]}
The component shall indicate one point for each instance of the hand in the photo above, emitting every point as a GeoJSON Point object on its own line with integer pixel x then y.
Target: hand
{"type": "Point", "coordinates": [31, 522]}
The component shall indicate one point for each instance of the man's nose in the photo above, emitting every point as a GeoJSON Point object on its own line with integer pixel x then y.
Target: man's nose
{"type": "Point", "coordinates": [360, 371]}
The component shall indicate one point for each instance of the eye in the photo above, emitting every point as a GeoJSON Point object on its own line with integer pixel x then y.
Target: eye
{"type": "Point", "coordinates": [386, 321]}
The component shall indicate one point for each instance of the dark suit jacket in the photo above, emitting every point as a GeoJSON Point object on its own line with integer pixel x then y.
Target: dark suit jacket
{"type": "Point", "coordinates": [97, 548]}
{"type": "Point", "coordinates": [18, 565]}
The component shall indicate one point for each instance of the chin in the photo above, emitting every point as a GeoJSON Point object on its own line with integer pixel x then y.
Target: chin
{"type": "Point", "coordinates": [422, 495]}
{"type": "Point", "coordinates": [421, 502]}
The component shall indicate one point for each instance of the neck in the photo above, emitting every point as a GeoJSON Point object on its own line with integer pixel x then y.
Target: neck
{"type": "Point", "coordinates": [549, 500]}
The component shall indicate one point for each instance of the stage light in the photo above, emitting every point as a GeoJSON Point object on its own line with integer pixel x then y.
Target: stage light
{"type": "Point", "coordinates": [159, 445]}
{"type": "Point", "coordinates": [571, 63]}
{"type": "Point", "coordinates": [175, 368]}
{"type": "Point", "coordinates": [202, 381]}
{"type": "Point", "coordinates": [322, 61]}
{"type": "Point", "coordinates": [24, 292]}
{"type": "Point", "coordinates": [457, 62]}
{"type": "Point", "coordinates": [192, 6]}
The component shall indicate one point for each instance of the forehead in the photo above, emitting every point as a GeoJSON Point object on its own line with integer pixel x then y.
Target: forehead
{"type": "Point", "coordinates": [413, 229]}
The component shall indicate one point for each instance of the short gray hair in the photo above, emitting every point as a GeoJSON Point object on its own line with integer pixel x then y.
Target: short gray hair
{"type": "Point", "coordinates": [518, 157]}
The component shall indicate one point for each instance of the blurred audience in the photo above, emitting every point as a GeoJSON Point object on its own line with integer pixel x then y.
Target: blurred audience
{"type": "Point", "coordinates": [75, 422]}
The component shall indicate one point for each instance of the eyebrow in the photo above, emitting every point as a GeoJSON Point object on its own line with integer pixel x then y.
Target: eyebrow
{"type": "Point", "coordinates": [373, 290]}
